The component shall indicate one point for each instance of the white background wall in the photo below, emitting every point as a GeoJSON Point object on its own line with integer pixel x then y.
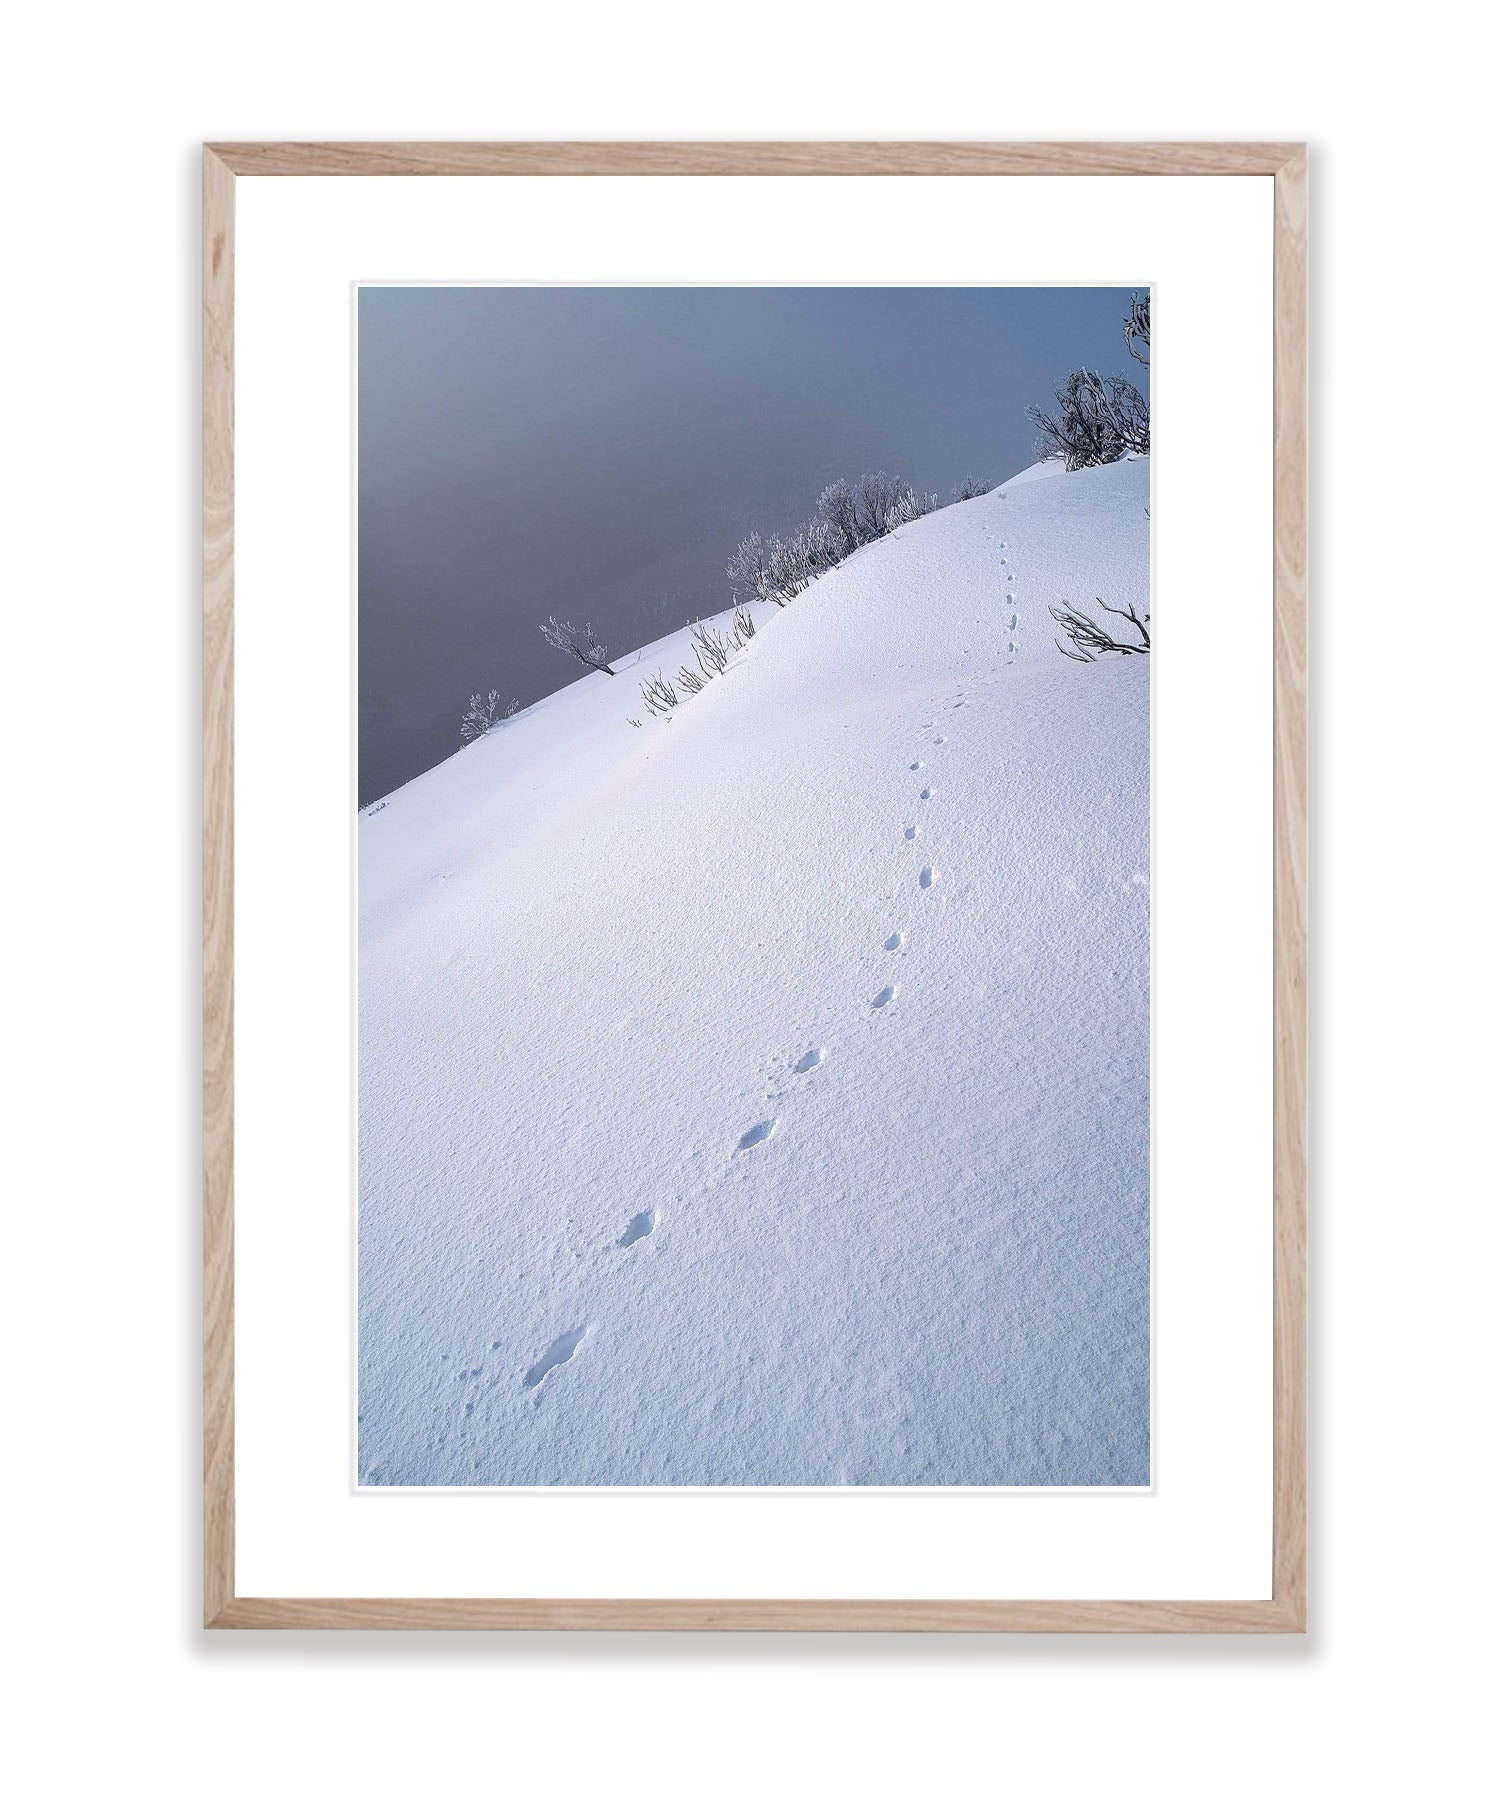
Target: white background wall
{"type": "Point", "coordinates": [104, 108]}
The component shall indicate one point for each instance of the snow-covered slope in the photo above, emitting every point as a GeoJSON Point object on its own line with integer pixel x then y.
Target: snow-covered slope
{"type": "Point", "coordinates": [762, 1097]}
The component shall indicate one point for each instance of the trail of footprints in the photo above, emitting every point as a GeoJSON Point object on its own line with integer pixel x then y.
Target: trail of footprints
{"type": "Point", "coordinates": [563, 1347]}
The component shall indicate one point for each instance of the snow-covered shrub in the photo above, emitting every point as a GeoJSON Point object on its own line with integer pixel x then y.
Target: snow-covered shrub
{"type": "Point", "coordinates": [971, 488]}
{"type": "Point", "coordinates": [874, 497]}
{"type": "Point", "coordinates": [862, 513]}
{"type": "Point", "coordinates": [909, 505]}
{"type": "Point", "coordinates": [579, 641]}
{"type": "Point", "coordinates": [798, 560]}
{"type": "Point", "coordinates": [481, 715]}
{"type": "Point", "coordinates": [837, 510]}
{"type": "Point", "coordinates": [776, 568]}
{"type": "Point", "coordinates": [659, 694]}
{"type": "Point", "coordinates": [744, 627]}
{"type": "Point", "coordinates": [690, 680]}
{"type": "Point", "coordinates": [749, 569]}
{"type": "Point", "coordinates": [1100, 419]}
{"type": "Point", "coordinates": [1090, 639]}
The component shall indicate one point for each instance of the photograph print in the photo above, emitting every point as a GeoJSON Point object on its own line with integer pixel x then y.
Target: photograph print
{"type": "Point", "coordinates": [753, 887]}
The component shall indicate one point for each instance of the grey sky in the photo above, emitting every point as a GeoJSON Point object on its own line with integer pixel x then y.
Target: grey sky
{"type": "Point", "coordinates": [598, 452]}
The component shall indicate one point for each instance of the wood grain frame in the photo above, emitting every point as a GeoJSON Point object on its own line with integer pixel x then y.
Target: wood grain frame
{"type": "Point", "coordinates": [1285, 1611]}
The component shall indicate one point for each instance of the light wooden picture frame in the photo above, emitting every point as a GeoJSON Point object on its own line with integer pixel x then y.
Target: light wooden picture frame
{"type": "Point", "coordinates": [1286, 163]}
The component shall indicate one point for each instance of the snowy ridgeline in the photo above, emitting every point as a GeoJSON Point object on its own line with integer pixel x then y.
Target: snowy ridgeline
{"type": "Point", "coordinates": [761, 1096]}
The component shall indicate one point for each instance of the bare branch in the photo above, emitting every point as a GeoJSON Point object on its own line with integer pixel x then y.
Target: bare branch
{"type": "Point", "coordinates": [579, 641]}
{"type": "Point", "coordinates": [712, 649]}
{"type": "Point", "coordinates": [659, 694]}
{"type": "Point", "coordinates": [1090, 639]}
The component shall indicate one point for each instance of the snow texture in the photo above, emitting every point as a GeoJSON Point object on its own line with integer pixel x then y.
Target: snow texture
{"type": "Point", "coordinates": [716, 1129]}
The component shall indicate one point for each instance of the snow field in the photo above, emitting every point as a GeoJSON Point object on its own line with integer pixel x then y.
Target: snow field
{"type": "Point", "coordinates": [761, 1097]}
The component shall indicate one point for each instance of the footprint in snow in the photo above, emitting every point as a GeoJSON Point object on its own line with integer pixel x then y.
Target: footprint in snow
{"type": "Point", "coordinates": [940, 740]}
{"type": "Point", "coordinates": [757, 1134]}
{"type": "Point", "coordinates": [801, 1067]}
{"type": "Point", "coordinates": [926, 794]}
{"type": "Point", "coordinates": [895, 940]}
{"type": "Point", "coordinates": [911, 832]}
{"type": "Point", "coordinates": [926, 878]}
{"type": "Point", "coordinates": [884, 997]}
{"type": "Point", "coordinates": [642, 1225]}
{"type": "Point", "coordinates": [554, 1356]}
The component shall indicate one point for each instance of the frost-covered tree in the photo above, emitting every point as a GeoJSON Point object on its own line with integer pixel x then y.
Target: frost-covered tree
{"type": "Point", "coordinates": [908, 506]}
{"type": "Point", "coordinates": [811, 550]}
{"type": "Point", "coordinates": [1138, 328]}
{"type": "Point", "coordinates": [579, 641]}
{"type": "Point", "coordinates": [837, 510]}
{"type": "Point", "coordinates": [971, 488]}
{"type": "Point", "coordinates": [482, 714]}
{"type": "Point", "coordinates": [778, 568]}
{"type": "Point", "coordinates": [749, 568]}
{"type": "Point", "coordinates": [1100, 419]}
{"type": "Point", "coordinates": [874, 496]}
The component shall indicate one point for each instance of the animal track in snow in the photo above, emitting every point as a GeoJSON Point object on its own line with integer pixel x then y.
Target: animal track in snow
{"type": "Point", "coordinates": [926, 794]}
{"type": "Point", "coordinates": [757, 1134]}
{"type": "Point", "coordinates": [642, 1225]}
{"type": "Point", "coordinates": [918, 763]}
{"type": "Point", "coordinates": [804, 1064]}
{"type": "Point", "coordinates": [940, 740]}
{"type": "Point", "coordinates": [895, 940]}
{"type": "Point", "coordinates": [926, 878]}
{"type": "Point", "coordinates": [911, 832]}
{"type": "Point", "coordinates": [556, 1353]}
{"type": "Point", "coordinates": [884, 997]}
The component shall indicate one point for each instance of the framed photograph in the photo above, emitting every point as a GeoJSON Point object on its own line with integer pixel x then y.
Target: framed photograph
{"type": "Point", "coordinates": [755, 886]}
